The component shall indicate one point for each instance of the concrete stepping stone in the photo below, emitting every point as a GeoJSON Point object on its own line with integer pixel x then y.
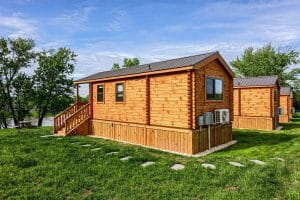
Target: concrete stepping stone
{"type": "Point", "coordinates": [147, 164]}
{"type": "Point", "coordinates": [125, 158]}
{"type": "Point", "coordinates": [96, 149]}
{"type": "Point", "coordinates": [177, 167]}
{"type": "Point", "coordinates": [280, 159]}
{"type": "Point", "coordinates": [236, 164]}
{"type": "Point", "coordinates": [111, 153]}
{"type": "Point", "coordinates": [208, 166]}
{"type": "Point", "coordinates": [258, 162]}
{"type": "Point", "coordinates": [76, 143]}
{"type": "Point", "coordinates": [85, 145]}
{"type": "Point", "coordinates": [46, 136]}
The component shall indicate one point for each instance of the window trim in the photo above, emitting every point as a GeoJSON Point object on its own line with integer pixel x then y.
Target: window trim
{"type": "Point", "coordinates": [214, 78]}
{"type": "Point", "coordinates": [103, 85]}
{"type": "Point", "coordinates": [117, 83]}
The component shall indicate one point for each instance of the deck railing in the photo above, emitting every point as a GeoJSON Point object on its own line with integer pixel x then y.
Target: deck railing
{"type": "Point", "coordinates": [60, 119]}
{"type": "Point", "coordinates": [77, 118]}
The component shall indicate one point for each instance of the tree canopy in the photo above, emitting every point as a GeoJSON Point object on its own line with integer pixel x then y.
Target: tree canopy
{"type": "Point", "coordinates": [53, 87]}
{"type": "Point", "coordinates": [268, 60]}
{"type": "Point", "coordinates": [127, 62]}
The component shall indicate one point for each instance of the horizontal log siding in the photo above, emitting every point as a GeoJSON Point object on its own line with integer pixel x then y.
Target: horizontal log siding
{"type": "Point", "coordinates": [169, 100]}
{"type": "Point", "coordinates": [133, 109]}
{"type": "Point", "coordinates": [255, 102]}
{"type": "Point", "coordinates": [213, 69]}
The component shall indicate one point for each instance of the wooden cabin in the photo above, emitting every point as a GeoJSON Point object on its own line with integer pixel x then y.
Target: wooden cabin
{"type": "Point", "coordinates": [256, 102]}
{"type": "Point", "coordinates": [286, 104]}
{"type": "Point", "coordinates": [158, 105]}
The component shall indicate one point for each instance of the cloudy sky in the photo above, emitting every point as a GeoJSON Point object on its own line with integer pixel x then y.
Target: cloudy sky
{"type": "Point", "coordinates": [104, 32]}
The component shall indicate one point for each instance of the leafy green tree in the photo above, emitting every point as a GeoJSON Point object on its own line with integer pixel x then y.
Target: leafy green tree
{"type": "Point", "coordinates": [15, 55]}
{"type": "Point", "coordinates": [53, 83]}
{"type": "Point", "coordinates": [268, 61]}
{"type": "Point", "coordinates": [23, 95]}
{"type": "Point", "coordinates": [115, 66]}
{"type": "Point", "coordinates": [127, 62]}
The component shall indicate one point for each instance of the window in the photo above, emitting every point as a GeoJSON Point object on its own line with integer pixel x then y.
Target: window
{"type": "Point", "coordinates": [214, 89]}
{"type": "Point", "coordinates": [100, 93]}
{"type": "Point", "coordinates": [119, 92]}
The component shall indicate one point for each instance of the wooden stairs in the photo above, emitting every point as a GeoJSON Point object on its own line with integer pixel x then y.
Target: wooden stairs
{"type": "Point", "coordinates": [66, 122]}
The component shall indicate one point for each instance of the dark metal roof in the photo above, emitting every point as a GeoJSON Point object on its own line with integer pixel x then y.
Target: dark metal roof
{"type": "Point", "coordinates": [285, 91]}
{"type": "Point", "coordinates": [156, 66]}
{"type": "Point", "coordinates": [255, 81]}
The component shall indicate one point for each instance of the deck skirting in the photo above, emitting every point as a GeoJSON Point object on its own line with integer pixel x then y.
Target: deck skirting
{"type": "Point", "coordinates": [259, 123]}
{"type": "Point", "coordinates": [174, 140]}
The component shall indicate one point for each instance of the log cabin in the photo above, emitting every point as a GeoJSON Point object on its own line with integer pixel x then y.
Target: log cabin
{"type": "Point", "coordinates": [165, 105]}
{"type": "Point", "coordinates": [286, 104]}
{"type": "Point", "coordinates": [256, 102]}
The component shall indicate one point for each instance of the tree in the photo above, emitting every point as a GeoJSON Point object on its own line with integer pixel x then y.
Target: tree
{"type": "Point", "coordinates": [53, 84]}
{"type": "Point", "coordinates": [15, 55]}
{"type": "Point", "coordinates": [268, 61]}
{"type": "Point", "coordinates": [130, 62]}
{"type": "Point", "coordinates": [115, 66]}
{"type": "Point", "coordinates": [127, 62]}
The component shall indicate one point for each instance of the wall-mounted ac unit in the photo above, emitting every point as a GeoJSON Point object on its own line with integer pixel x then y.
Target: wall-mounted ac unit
{"type": "Point", "coordinates": [206, 119]}
{"type": "Point", "coordinates": [222, 116]}
{"type": "Point", "coordinates": [281, 111]}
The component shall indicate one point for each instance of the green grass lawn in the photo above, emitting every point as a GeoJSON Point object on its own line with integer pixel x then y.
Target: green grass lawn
{"type": "Point", "coordinates": [32, 167]}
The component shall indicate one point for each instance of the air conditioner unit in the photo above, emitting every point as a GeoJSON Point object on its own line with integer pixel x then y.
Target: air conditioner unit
{"type": "Point", "coordinates": [206, 119]}
{"type": "Point", "coordinates": [222, 116]}
{"type": "Point", "coordinates": [281, 111]}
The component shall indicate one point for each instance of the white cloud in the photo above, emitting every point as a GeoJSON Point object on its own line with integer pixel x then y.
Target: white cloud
{"type": "Point", "coordinates": [18, 25]}
{"type": "Point", "coordinates": [119, 21]}
{"type": "Point", "coordinates": [76, 19]}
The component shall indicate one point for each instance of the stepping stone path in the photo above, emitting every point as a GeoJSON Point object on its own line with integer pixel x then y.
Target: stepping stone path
{"type": "Point", "coordinates": [236, 164]}
{"type": "Point", "coordinates": [46, 136]}
{"type": "Point", "coordinates": [258, 162]}
{"type": "Point", "coordinates": [96, 149]}
{"type": "Point", "coordinates": [111, 153]}
{"type": "Point", "coordinates": [177, 167]}
{"type": "Point", "coordinates": [148, 163]}
{"type": "Point", "coordinates": [125, 158]}
{"type": "Point", "coordinates": [208, 166]}
{"type": "Point", "coordinates": [280, 159]}
{"type": "Point", "coordinates": [86, 145]}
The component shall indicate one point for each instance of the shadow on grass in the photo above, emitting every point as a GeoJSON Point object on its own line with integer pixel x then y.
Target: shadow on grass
{"type": "Point", "coordinates": [251, 138]}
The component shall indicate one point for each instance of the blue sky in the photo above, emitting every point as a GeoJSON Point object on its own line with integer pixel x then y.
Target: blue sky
{"type": "Point", "coordinates": [103, 32]}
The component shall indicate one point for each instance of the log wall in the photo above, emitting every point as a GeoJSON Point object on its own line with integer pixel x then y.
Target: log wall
{"type": "Point", "coordinates": [217, 70]}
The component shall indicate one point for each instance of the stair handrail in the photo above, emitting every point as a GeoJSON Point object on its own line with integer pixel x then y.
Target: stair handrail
{"type": "Point", "coordinates": [77, 118]}
{"type": "Point", "coordinates": [59, 119]}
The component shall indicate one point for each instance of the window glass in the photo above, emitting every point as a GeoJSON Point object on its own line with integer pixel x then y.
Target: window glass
{"type": "Point", "coordinates": [209, 88]}
{"type": "Point", "coordinates": [214, 89]}
{"type": "Point", "coordinates": [100, 93]}
{"type": "Point", "coordinates": [119, 92]}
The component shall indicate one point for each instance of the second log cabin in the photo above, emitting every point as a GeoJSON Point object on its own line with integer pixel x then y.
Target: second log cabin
{"type": "Point", "coordinates": [256, 102]}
